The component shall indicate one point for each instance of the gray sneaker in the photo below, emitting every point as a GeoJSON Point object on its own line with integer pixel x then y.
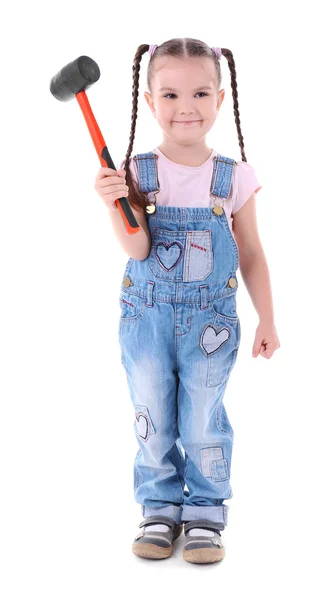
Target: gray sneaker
{"type": "Point", "coordinates": [156, 544]}
{"type": "Point", "coordinates": [200, 548]}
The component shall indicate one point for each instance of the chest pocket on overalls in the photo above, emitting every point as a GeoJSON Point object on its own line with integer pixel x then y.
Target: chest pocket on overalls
{"type": "Point", "coordinates": [181, 255]}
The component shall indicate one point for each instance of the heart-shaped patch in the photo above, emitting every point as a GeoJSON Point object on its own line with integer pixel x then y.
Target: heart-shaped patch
{"type": "Point", "coordinates": [142, 426]}
{"type": "Point", "coordinates": [211, 340]}
{"type": "Point", "coordinates": [169, 255]}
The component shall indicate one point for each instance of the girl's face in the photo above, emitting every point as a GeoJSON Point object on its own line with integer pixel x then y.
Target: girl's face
{"type": "Point", "coordinates": [184, 90]}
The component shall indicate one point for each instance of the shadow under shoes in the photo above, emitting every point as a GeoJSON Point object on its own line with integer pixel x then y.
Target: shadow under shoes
{"type": "Point", "coordinates": [203, 548]}
{"type": "Point", "coordinates": [156, 544]}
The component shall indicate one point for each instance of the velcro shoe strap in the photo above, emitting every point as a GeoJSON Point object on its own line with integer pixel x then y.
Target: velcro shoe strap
{"type": "Point", "coordinates": [202, 524]}
{"type": "Point", "coordinates": [159, 520]}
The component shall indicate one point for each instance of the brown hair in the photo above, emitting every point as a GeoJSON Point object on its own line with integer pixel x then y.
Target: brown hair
{"type": "Point", "coordinates": [180, 48]}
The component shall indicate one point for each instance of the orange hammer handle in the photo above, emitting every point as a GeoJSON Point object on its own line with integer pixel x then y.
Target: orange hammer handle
{"type": "Point", "coordinates": [123, 205]}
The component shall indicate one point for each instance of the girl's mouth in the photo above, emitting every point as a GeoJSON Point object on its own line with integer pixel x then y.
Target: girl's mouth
{"type": "Point", "coordinates": [186, 122]}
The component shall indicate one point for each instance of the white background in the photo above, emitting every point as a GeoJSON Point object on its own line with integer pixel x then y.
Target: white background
{"type": "Point", "coordinates": [67, 443]}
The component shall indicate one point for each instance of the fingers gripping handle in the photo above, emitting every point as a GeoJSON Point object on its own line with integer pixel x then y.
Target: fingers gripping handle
{"type": "Point", "coordinates": [123, 205]}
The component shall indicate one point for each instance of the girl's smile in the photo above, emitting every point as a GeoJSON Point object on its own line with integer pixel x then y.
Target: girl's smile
{"type": "Point", "coordinates": [187, 122]}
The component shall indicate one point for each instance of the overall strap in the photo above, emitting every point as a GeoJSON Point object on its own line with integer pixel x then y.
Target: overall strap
{"type": "Point", "coordinates": [147, 172]}
{"type": "Point", "coordinates": [222, 176]}
{"type": "Point", "coordinates": [148, 176]}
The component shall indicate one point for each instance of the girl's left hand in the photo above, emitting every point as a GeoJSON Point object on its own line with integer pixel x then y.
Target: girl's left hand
{"type": "Point", "coordinates": [266, 340]}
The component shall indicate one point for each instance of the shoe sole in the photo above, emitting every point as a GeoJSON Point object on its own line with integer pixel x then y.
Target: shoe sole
{"type": "Point", "coordinates": [204, 555]}
{"type": "Point", "coordinates": [151, 551]}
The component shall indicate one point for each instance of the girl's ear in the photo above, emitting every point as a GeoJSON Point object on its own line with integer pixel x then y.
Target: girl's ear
{"type": "Point", "coordinates": [149, 101]}
{"type": "Point", "coordinates": [221, 95]}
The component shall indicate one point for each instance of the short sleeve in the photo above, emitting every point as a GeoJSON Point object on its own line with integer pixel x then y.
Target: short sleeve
{"type": "Point", "coordinates": [244, 183]}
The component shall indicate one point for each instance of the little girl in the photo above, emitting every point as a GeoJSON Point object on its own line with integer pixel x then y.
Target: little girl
{"type": "Point", "coordinates": [179, 331]}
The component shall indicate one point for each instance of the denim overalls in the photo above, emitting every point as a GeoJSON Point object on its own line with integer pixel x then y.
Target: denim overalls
{"type": "Point", "coordinates": [179, 334]}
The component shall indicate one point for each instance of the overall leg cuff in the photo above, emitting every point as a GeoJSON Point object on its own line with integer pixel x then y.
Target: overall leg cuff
{"type": "Point", "coordinates": [219, 514]}
{"type": "Point", "coordinates": [172, 511]}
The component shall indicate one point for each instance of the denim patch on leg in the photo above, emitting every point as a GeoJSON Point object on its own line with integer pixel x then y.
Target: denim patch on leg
{"type": "Point", "coordinates": [143, 422]}
{"type": "Point", "coordinates": [212, 339]}
{"type": "Point", "coordinates": [209, 455]}
{"type": "Point", "coordinates": [219, 469]}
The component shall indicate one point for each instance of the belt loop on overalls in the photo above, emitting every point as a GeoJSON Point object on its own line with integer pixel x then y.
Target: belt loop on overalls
{"type": "Point", "coordinates": [150, 286]}
{"type": "Point", "coordinates": [204, 293]}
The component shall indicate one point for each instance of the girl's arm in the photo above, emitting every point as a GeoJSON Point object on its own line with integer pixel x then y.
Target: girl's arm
{"type": "Point", "coordinates": [136, 245]}
{"type": "Point", "coordinates": [252, 261]}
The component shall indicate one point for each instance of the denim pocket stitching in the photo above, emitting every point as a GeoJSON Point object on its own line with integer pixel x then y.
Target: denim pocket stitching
{"type": "Point", "coordinates": [221, 315]}
{"type": "Point", "coordinates": [227, 318]}
{"type": "Point", "coordinates": [224, 317]}
{"type": "Point", "coordinates": [135, 317]}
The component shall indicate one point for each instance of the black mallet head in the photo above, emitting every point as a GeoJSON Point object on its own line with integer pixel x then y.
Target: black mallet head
{"type": "Point", "coordinates": [75, 77]}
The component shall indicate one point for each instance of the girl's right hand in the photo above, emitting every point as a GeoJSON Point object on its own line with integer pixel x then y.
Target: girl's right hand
{"type": "Point", "coordinates": [110, 184]}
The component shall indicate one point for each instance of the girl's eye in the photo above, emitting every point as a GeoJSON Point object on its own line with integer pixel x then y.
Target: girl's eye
{"type": "Point", "coordinates": [205, 94]}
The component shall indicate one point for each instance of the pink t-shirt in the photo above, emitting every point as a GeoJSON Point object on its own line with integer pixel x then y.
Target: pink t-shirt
{"type": "Point", "coordinates": [185, 186]}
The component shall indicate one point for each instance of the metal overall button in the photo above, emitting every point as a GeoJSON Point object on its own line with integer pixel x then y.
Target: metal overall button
{"type": "Point", "coordinates": [127, 282]}
{"type": "Point", "coordinates": [232, 282]}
